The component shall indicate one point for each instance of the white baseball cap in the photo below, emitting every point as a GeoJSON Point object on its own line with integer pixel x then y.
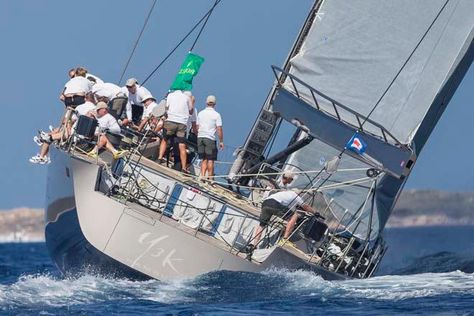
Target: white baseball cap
{"type": "Point", "coordinates": [211, 99]}
{"type": "Point", "coordinates": [131, 82]}
{"type": "Point", "coordinates": [148, 96]}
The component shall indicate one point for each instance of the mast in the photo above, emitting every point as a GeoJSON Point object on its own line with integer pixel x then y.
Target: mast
{"type": "Point", "coordinates": [266, 122]}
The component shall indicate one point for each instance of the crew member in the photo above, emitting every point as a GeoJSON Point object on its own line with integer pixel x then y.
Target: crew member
{"type": "Point", "coordinates": [209, 122]}
{"type": "Point", "coordinates": [180, 107]}
{"type": "Point", "coordinates": [134, 108]}
{"type": "Point", "coordinates": [281, 204]}
{"type": "Point", "coordinates": [106, 123]}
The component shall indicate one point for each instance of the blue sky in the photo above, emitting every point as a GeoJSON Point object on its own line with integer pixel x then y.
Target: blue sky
{"type": "Point", "coordinates": [42, 39]}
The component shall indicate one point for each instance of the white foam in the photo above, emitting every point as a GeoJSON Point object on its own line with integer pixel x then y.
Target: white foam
{"type": "Point", "coordinates": [46, 290]}
{"type": "Point", "coordinates": [381, 288]}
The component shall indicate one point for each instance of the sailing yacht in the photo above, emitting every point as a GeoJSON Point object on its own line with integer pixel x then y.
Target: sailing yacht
{"type": "Point", "coordinates": [362, 88]}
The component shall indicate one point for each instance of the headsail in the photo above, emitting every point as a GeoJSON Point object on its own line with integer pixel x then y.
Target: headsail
{"type": "Point", "coordinates": [392, 55]}
{"type": "Point", "coordinates": [390, 60]}
{"type": "Point", "coordinates": [385, 68]}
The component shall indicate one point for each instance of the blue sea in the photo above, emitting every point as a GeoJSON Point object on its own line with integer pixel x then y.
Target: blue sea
{"type": "Point", "coordinates": [426, 271]}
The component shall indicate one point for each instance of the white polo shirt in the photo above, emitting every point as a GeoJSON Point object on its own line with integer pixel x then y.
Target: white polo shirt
{"type": "Point", "coordinates": [208, 120]}
{"type": "Point", "coordinates": [134, 98]}
{"type": "Point", "coordinates": [97, 79]}
{"type": "Point", "coordinates": [286, 198]}
{"type": "Point", "coordinates": [77, 85]}
{"type": "Point", "coordinates": [108, 122]}
{"type": "Point", "coordinates": [179, 105]}
{"type": "Point", "coordinates": [149, 109]}
{"type": "Point", "coordinates": [106, 89]}
{"type": "Point", "coordinates": [83, 109]}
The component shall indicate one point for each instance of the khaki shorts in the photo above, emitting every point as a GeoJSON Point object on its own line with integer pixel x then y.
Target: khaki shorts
{"type": "Point", "coordinates": [174, 129]}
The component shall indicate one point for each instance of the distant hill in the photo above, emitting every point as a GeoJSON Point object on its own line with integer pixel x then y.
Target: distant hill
{"type": "Point", "coordinates": [21, 224]}
{"type": "Point", "coordinates": [427, 207]}
{"type": "Point", "coordinates": [414, 208]}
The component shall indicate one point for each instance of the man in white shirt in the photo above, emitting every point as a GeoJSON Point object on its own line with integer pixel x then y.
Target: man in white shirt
{"type": "Point", "coordinates": [106, 90]}
{"type": "Point", "coordinates": [112, 95]}
{"type": "Point", "coordinates": [106, 123]}
{"type": "Point", "coordinates": [85, 108]}
{"type": "Point", "coordinates": [209, 122]}
{"type": "Point", "coordinates": [75, 89]}
{"type": "Point", "coordinates": [134, 107]}
{"type": "Point", "coordinates": [149, 102]}
{"type": "Point", "coordinates": [281, 204]}
{"type": "Point", "coordinates": [180, 107]}
{"type": "Point", "coordinates": [45, 139]}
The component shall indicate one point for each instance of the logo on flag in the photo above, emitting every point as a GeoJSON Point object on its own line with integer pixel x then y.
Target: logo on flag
{"type": "Point", "coordinates": [357, 144]}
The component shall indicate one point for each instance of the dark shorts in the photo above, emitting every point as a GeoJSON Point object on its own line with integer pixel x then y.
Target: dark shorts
{"type": "Point", "coordinates": [175, 129]}
{"type": "Point", "coordinates": [137, 113]}
{"type": "Point", "coordinates": [271, 207]}
{"type": "Point", "coordinates": [74, 101]}
{"type": "Point", "coordinates": [207, 148]}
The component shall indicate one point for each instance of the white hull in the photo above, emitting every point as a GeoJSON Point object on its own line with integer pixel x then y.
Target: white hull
{"type": "Point", "coordinates": [147, 242]}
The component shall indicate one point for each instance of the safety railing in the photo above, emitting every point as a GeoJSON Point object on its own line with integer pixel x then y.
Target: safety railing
{"type": "Point", "coordinates": [338, 109]}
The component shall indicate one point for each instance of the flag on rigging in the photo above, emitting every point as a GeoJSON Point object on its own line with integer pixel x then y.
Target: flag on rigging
{"type": "Point", "coordinates": [357, 144]}
{"type": "Point", "coordinates": [189, 69]}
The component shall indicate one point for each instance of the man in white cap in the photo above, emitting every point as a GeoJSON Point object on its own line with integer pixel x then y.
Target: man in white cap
{"type": "Point", "coordinates": [149, 102]}
{"type": "Point", "coordinates": [134, 107]}
{"type": "Point", "coordinates": [180, 107]}
{"type": "Point", "coordinates": [282, 204]}
{"type": "Point", "coordinates": [209, 122]}
{"type": "Point", "coordinates": [286, 178]}
{"type": "Point", "coordinates": [106, 123]}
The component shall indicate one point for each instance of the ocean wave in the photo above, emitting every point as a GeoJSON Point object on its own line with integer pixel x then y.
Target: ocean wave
{"type": "Point", "coordinates": [45, 289]}
{"type": "Point", "coordinates": [438, 262]}
{"type": "Point", "coordinates": [33, 291]}
{"type": "Point", "coordinates": [392, 288]}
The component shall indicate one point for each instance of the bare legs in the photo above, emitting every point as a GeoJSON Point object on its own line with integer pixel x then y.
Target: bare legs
{"type": "Point", "coordinates": [183, 155]}
{"type": "Point", "coordinates": [207, 166]}
{"type": "Point", "coordinates": [291, 224]}
{"type": "Point", "coordinates": [162, 149]}
{"type": "Point", "coordinates": [288, 230]}
{"type": "Point", "coordinates": [104, 142]}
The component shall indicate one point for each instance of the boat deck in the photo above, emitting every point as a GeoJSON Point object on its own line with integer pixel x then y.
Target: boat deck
{"type": "Point", "coordinates": [219, 192]}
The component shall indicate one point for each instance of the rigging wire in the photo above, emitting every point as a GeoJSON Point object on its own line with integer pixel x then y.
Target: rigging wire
{"type": "Point", "coordinates": [406, 62]}
{"type": "Point", "coordinates": [204, 25]}
{"type": "Point", "coordinates": [182, 40]}
{"type": "Point", "coordinates": [391, 83]}
{"type": "Point", "coordinates": [137, 41]}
